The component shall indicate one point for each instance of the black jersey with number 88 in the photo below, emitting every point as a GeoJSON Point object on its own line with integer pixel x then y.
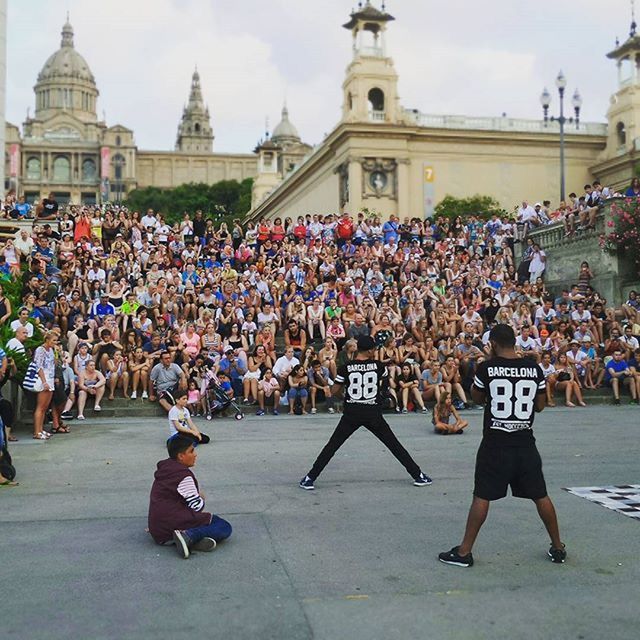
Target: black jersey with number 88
{"type": "Point", "coordinates": [511, 387]}
{"type": "Point", "coordinates": [362, 380]}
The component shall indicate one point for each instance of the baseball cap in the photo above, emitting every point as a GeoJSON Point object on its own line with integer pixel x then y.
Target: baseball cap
{"type": "Point", "coordinates": [228, 350]}
{"type": "Point", "coordinates": [587, 339]}
{"type": "Point", "coordinates": [366, 343]}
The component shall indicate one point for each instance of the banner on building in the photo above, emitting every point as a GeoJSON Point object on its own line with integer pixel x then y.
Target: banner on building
{"type": "Point", "coordinates": [428, 189]}
{"type": "Point", "coordinates": [105, 161]}
{"type": "Point", "coordinates": [14, 160]}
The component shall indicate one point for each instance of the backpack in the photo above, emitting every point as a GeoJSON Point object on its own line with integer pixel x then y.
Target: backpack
{"type": "Point", "coordinates": [7, 470]}
{"type": "Point", "coordinates": [297, 405]}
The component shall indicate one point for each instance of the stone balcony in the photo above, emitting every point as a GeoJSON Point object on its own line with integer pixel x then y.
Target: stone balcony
{"type": "Point", "coordinates": [614, 275]}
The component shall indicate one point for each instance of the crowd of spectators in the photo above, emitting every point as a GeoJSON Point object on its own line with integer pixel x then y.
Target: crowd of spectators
{"type": "Point", "coordinates": [136, 306]}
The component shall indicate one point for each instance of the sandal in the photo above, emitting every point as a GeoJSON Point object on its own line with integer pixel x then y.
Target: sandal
{"type": "Point", "coordinates": [62, 429]}
{"type": "Point", "coordinates": [12, 438]}
{"type": "Point", "coordinates": [9, 483]}
{"type": "Point", "coordinates": [41, 436]}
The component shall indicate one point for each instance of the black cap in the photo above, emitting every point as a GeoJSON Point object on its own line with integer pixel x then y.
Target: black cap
{"type": "Point", "coordinates": [366, 343]}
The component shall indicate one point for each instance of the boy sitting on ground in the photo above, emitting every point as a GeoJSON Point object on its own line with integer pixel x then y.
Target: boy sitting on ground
{"type": "Point", "coordinates": [176, 506]}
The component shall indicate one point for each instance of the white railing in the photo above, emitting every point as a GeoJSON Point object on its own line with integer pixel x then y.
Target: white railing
{"type": "Point", "coordinates": [523, 125]}
{"type": "Point", "coordinates": [377, 116]}
{"type": "Point", "coordinates": [371, 52]}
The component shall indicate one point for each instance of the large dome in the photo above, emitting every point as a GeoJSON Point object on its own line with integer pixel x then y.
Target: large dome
{"type": "Point", "coordinates": [66, 83]}
{"type": "Point", "coordinates": [66, 62]}
{"type": "Point", "coordinates": [285, 133]}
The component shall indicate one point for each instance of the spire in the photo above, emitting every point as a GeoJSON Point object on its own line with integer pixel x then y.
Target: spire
{"type": "Point", "coordinates": [195, 95]}
{"type": "Point", "coordinates": [632, 31]}
{"type": "Point", "coordinates": [67, 34]}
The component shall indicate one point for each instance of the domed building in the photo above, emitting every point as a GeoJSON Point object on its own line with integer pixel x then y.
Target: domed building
{"type": "Point", "coordinates": [67, 149]}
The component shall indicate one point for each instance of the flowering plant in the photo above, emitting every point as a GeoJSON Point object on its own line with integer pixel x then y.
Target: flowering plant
{"type": "Point", "coordinates": [622, 230]}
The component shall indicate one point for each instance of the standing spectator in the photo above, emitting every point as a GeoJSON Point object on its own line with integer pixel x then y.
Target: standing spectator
{"type": "Point", "coordinates": [44, 358]}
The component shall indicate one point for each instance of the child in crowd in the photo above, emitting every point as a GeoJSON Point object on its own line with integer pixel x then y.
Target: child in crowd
{"type": "Point", "coordinates": [446, 419]}
{"type": "Point", "coordinates": [194, 399]}
{"type": "Point", "coordinates": [180, 421]}
{"type": "Point", "coordinates": [176, 505]}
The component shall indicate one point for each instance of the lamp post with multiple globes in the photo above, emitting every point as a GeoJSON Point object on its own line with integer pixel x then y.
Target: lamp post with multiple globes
{"type": "Point", "coordinates": [576, 101]}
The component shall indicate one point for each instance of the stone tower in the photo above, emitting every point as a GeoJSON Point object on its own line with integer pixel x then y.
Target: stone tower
{"type": "Point", "coordinates": [370, 87]}
{"type": "Point", "coordinates": [624, 111]}
{"type": "Point", "coordinates": [194, 131]}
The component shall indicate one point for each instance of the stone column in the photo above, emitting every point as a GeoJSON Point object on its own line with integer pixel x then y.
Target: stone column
{"type": "Point", "coordinates": [355, 185]}
{"type": "Point", "coordinates": [403, 187]}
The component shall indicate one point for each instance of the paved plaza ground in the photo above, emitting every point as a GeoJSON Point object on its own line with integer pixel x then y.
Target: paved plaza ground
{"type": "Point", "coordinates": [354, 559]}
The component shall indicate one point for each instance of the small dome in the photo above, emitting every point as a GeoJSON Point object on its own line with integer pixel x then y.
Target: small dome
{"type": "Point", "coordinates": [66, 62]}
{"type": "Point", "coordinates": [285, 132]}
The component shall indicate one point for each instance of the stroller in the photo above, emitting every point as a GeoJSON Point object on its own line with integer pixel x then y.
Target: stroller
{"type": "Point", "coordinates": [216, 399]}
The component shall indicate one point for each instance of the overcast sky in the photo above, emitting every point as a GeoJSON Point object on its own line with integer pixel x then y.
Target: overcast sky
{"type": "Point", "coordinates": [452, 56]}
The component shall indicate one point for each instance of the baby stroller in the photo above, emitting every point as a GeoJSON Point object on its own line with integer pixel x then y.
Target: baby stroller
{"type": "Point", "coordinates": [216, 399]}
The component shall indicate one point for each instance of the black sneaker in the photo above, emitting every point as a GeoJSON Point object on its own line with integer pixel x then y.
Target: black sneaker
{"type": "Point", "coordinates": [422, 480]}
{"type": "Point", "coordinates": [67, 415]}
{"type": "Point", "coordinates": [182, 542]}
{"type": "Point", "coordinates": [205, 544]}
{"type": "Point", "coordinates": [453, 557]}
{"type": "Point", "coordinates": [557, 556]}
{"type": "Point", "coordinates": [616, 401]}
{"type": "Point", "coordinates": [307, 484]}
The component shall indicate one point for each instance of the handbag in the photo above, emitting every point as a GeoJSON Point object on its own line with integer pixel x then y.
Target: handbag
{"type": "Point", "coordinates": [30, 377]}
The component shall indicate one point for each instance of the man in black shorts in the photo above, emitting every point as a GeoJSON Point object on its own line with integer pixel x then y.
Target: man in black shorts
{"type": "Point", "coordinates": [362, 378]}
{"type": "Point", "coordinates": [512, 389]}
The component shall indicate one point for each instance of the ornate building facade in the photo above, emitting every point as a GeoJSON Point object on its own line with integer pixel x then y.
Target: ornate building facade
{"type": "Point", "coordinates": [393, 160]}
{"type": "Point", "coordinates": [66, 149]}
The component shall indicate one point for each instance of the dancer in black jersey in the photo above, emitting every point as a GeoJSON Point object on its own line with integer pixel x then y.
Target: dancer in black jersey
{"type": "Point", "coordinates": [512, 389]}
{"type": "Point", "coordinates": [362, 378]}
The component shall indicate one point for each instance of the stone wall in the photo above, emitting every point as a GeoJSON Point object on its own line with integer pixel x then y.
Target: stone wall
{"type": "Point", "coordinates": [614, 276]}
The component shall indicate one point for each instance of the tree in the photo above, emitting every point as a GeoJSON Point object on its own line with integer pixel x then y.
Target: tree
{"type": "Point", "coordinates": [477, 205]}
{"type": "Point", "coordinates": [225, 199]}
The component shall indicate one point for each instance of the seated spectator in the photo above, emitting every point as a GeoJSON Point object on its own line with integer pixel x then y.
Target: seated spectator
{"type": "Point", "coordinates": [91, 383]}
{"type": "Point", "coordinates": [268, 387]}
{"type": "Point", "coordinates": [166, 378]}
{"type": "Point", "coordinates": [566, 381]}
{"type": "Point", "coordinates": [618, 374]}
{"type": "Point", "coordinates": [446, 420]}
{"type": "Point", "coordinates": [176, 506]}
{"type": "Point", "coordinates": [320, 385]}
{"type": "Point", "coordinates": [407, 388]}
{"type": "Point", "coordinates": [180, 421]}
{"type": "Point", "coordinates": [298, 383]}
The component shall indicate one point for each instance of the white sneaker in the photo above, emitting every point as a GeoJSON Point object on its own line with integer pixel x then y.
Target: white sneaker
{"type": "Point", "coordinates": [331, 410]}
{"type": "Point", "coordinates": [145, 395]}
{"type": "Point", "coordinates": [134, 395]}
{"type": "Point", "coordinates": [97, 408]}
{"type": "Point", "coordinates": [80, 417]}
{"type": "Point", "coordinates": [314, 410]}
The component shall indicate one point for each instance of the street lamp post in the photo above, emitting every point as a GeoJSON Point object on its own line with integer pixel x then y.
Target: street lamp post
{"type": "Point", "coordinates": [576, 101]}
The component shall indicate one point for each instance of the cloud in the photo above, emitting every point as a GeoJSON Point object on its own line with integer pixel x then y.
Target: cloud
{"type": "Point", "coordinates": [452, 57]}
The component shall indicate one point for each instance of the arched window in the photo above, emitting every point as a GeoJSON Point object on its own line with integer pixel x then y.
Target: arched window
{"type": "Point", "coordinates": [33, 169]}
{"type": "Point", "coordinates": [118, 166]}
{"type": "Point", "coordinates": [88, 170]}
{"type": "Point", "coordinates": [118, 141]}
{"type": "Point", "coordinates": [196, 127]}
{"type": "Point", "coordinates": [61, 169]}
{"type": "Point", "coordinates": [376, 103]}
{"type": "Point", "coordinates": [621, 132]}
{"type": "Point", "coordinates": [350, 101]}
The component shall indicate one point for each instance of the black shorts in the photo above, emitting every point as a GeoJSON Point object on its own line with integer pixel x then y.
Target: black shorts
{"type": "Point", "coordinates": [500, 467]}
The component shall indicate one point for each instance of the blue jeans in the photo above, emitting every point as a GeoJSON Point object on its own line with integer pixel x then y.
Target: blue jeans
{"type": "Point", "coordinates": [219, 529]}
